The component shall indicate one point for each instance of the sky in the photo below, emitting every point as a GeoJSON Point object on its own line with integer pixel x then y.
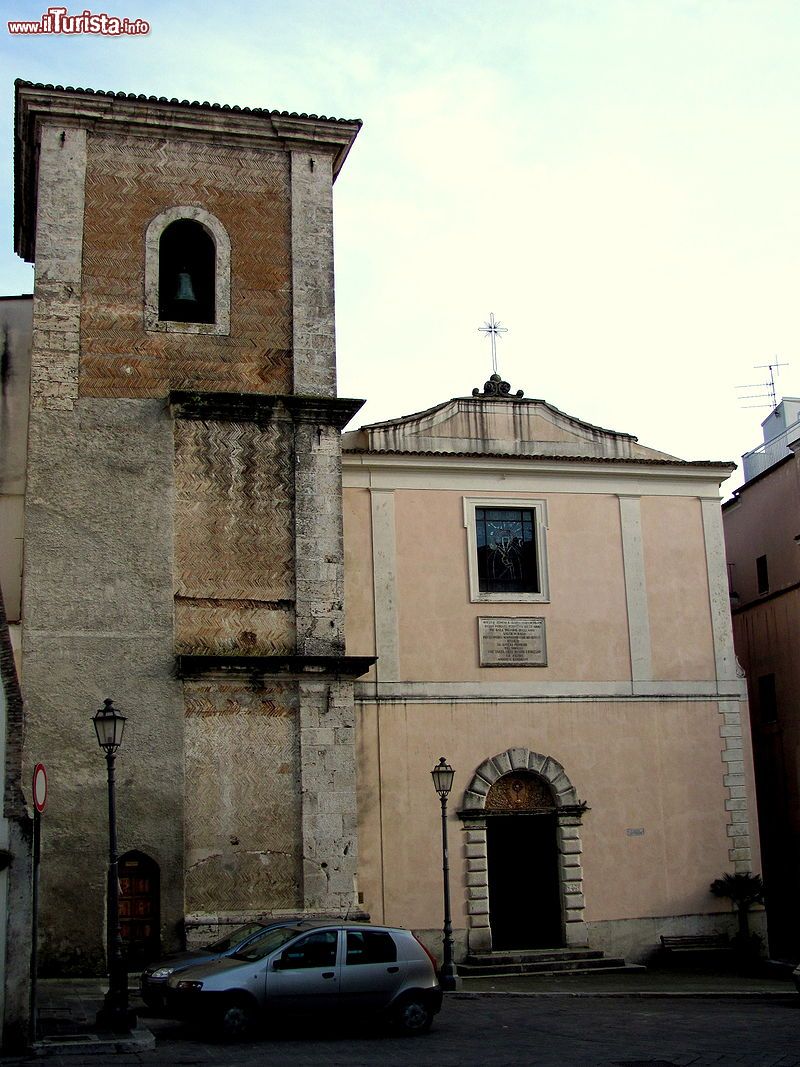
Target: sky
{"type": "Point", "coordinates": [616, 181]}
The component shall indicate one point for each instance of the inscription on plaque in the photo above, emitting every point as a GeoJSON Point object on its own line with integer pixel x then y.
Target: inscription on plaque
{"type": "Point", "coordinates": [508, 642]}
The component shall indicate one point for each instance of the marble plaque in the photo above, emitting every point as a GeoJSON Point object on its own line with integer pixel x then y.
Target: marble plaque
{"type": "Point", "coordinates": [507, 642]}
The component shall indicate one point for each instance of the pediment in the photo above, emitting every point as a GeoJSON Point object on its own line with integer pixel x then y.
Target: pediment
{"type": "Point", "coordinates": [497, 426]}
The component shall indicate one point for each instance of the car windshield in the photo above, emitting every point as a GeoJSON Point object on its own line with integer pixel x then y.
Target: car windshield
{"type": "Point", "coordinates": [260, 947]}
{"type": "Point", "coordinates": [236, 938]}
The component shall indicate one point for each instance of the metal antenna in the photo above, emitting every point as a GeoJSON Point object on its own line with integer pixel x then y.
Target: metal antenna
{"type": "Point", "coordinates": [768, 398]}
{"type": "Point", "coordinates": [493, 329]}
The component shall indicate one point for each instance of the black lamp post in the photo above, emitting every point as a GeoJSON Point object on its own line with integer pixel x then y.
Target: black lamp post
{"type": "Point", "coordinates": [115, 1014]}
{"type": "Point", "coordinates": [443, 775]}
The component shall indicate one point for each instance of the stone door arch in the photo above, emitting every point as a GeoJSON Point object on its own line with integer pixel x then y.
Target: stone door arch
{"type": "Point", "coordinates": [521, 780]}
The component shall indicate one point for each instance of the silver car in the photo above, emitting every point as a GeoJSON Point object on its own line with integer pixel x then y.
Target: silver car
{"type": "Point", "coordinates": [313, 967]}
{"type": "Point", "coordinates": [153, 981]}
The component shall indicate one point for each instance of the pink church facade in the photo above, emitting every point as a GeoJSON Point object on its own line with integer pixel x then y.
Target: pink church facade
{"type": "Point", "coordinates": [548, 605]}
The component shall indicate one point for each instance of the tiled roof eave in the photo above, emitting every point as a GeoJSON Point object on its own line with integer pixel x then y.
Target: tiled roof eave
{"type": "Point", "coordinates": [205, 105]}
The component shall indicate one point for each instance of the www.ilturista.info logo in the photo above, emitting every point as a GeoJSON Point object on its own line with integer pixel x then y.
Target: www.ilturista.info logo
{"type": "Point", "coordinates": [56, 20]}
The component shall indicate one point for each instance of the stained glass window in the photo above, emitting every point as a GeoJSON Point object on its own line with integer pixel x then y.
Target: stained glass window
{"type": "Point", "coordinates": [506, 542]}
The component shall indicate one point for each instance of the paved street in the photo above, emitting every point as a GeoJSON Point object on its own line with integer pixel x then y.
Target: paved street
{"type": "Point", "coordinates": [504, 1029]}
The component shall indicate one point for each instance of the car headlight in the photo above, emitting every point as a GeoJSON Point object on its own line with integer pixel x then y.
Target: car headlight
{"type": "Point", "coordinates": [194, 986]}
{"type": "Point", "coordinates": [160, 972]}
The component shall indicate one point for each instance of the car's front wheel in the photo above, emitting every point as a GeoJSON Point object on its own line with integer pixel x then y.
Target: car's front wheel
{"type": "Point", "coordinates": [413, 1016]}
{"type": "Point", "coordinates": [237, 1019]}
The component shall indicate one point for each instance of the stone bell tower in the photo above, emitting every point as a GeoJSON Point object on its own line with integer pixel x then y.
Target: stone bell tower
{"type": "Point", "coordinates": [183, 533]}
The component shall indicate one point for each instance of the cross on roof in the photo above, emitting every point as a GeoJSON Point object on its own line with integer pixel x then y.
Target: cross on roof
{"type": "Point", "coordinates": [493, 329]}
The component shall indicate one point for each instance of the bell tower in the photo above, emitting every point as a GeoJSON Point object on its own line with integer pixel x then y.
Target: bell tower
{"type": "Point", "coordinates": [183, 530]}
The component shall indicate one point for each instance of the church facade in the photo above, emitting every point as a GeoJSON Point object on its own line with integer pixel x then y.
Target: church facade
{"type": "Point", "coordinates": [540, 600]}
{"type": "Point", "coordinates": [548, 605]}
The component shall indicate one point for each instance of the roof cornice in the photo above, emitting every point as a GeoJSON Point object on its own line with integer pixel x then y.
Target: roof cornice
{"type": "Point", "coordinates": [716, 470]}
{"type": "Point", "coordinates": [148, 115]}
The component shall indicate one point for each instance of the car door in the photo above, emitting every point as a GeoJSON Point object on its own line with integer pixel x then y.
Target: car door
{"type": "Point", "coordinates": [304, 976]}
{"type": "Point", "coordinates": [372, 972]}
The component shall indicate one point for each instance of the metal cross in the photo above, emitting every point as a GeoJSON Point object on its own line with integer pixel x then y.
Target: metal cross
{"type": "Point", "coordinates": [493, 329]}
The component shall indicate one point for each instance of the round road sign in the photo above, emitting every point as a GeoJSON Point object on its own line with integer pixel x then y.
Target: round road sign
{"type": "Point", "coordinates": [39, 787]}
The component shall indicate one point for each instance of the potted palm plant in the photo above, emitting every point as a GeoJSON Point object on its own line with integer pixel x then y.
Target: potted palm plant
{"type": "Point", "coordinates": [743, 890]}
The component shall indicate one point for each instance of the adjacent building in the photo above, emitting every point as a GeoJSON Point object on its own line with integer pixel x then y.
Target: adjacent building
{"type": "Point", "coordinates": [762, 537]}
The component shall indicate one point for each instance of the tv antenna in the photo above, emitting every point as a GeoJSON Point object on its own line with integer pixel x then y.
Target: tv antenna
{"type": "Point", "coordinates": [768, 398]}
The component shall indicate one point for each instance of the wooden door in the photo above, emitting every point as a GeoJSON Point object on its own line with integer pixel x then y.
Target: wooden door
{"type": "Point", "coordinates": [139, 908]}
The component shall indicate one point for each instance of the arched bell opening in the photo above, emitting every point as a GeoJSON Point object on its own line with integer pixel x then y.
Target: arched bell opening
{"type": "Point", "coordinates": [186, 273]}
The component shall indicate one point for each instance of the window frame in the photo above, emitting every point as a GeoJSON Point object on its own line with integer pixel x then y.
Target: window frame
{"type": "Point", "coordinates": [222, 282]}
{"type": "Point", "coordinates": [539, 509]}
{"type": "Point", "coordinates": [369, 936]}
{"type": "Point", "coordinates": [767, 700]}
{"type": "Point", "coordinates": [305, 938]}
{"type": "Point", "coordinates": [762, 575]}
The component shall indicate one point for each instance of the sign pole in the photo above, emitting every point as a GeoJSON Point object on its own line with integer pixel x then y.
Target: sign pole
{"type": "Point", "coordinates": [37, 846]}
{"type": "Point", "coordinates": [39, 802]}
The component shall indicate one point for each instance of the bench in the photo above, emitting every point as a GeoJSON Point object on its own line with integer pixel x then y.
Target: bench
{"type": "Point", "coordinates": [696, 943]}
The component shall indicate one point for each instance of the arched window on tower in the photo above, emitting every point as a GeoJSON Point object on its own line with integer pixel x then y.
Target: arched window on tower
{"type": "Point", "coordinates": [186, 273]}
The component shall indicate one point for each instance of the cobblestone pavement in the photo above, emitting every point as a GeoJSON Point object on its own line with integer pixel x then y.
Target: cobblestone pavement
{"type": "Point", "coordinates": [474, 1030]}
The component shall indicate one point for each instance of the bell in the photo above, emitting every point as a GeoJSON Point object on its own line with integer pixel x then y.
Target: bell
{"type": "Point", "coordinates": [185, 293]}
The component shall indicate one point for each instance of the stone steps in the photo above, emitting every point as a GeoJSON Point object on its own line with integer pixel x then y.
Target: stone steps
{"type": "Point", "coordinates": [540, 961]}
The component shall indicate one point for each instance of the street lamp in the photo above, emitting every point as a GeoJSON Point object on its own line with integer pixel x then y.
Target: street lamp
{"type": "Point", "coordinates": [115, 1014]}
{"type": "Point", "coordinates": [443, 775]}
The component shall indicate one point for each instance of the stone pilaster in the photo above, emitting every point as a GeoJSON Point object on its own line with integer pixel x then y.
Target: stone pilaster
{"type": "Point", "coordinates": [384, 561]}
{"type": "Point", "coordinates": [719, 602]}
{"type": "Point", "coordinates": [319, 546]}
{"type": "Point", "coordinates": [328, 795]}
{"type": "Point", "coordinates": [630, 510]}
{"type": "Point", "coordinates": [570, 850]}
{"type": "Point", "coordinates": [57, 289]}
{"type": "Point", "coordinates": [319, 542]}
{"type": "Point", "coordinates": [314, 339]}
{"type": "Point", "coordinates": [479, 935]}
{"type": "Point", "coordinates": [734, 741]}
{"type": "Point", "coordinates": [735, 780]}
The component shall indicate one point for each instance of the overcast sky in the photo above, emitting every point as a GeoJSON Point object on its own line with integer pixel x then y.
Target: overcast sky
{"type": "Point", "coordinates": [617, 181]}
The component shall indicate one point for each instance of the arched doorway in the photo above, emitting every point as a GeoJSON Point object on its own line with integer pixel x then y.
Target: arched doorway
{"type": "Point", "coordinates": [523, 863]}
{"type": "Point", "coordinates": [533, 814]}
{"type": "Point", "coordinates": [139, 908]}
